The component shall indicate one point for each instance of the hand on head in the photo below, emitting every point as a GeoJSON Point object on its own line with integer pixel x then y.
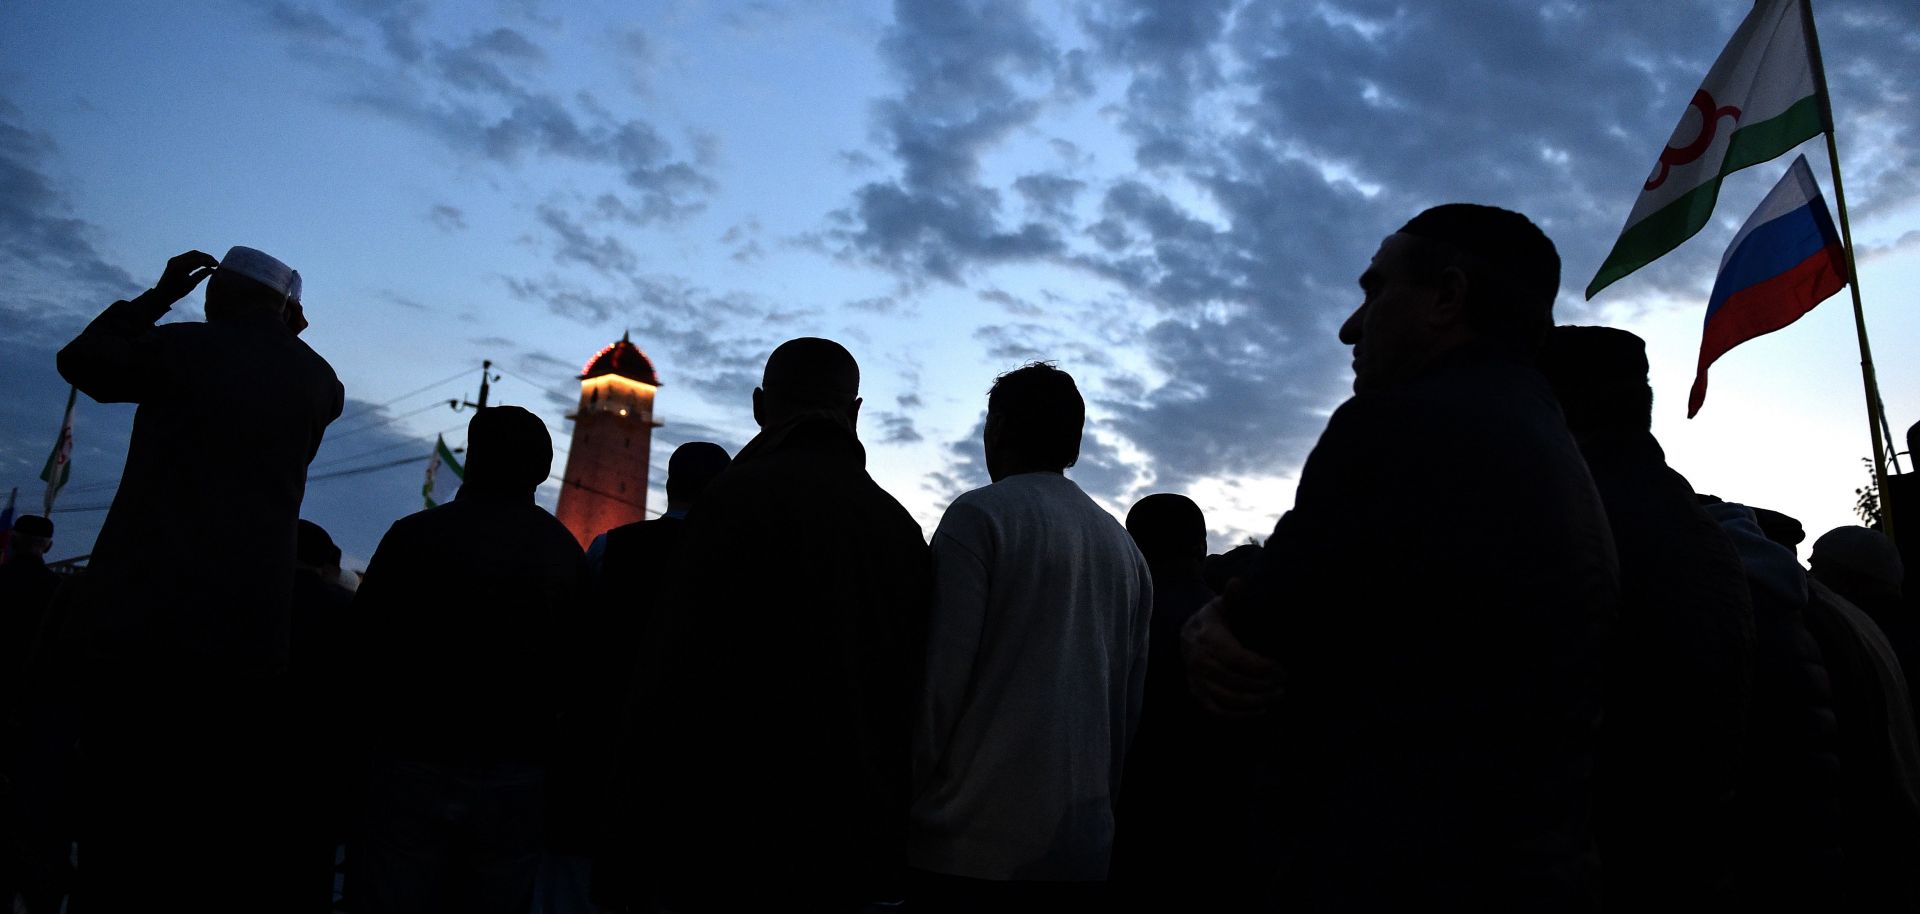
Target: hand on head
{"type": "Point", "coordinates": [185, 272]}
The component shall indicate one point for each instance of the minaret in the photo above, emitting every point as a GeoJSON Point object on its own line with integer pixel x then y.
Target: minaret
{"type": "Point", "coordinates": [606, 481]}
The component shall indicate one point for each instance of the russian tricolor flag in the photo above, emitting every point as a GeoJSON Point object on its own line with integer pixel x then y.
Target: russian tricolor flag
{"type": "Point", "coordinates": [1785, 260]}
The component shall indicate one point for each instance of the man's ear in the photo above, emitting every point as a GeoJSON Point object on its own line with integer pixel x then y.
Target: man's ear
{"type": "Point", "coordinates": [759, 410]}
{"type": "Point", "coordinates": [1450, 298]}
{"type": "Point", "coordinates": [853, 412]}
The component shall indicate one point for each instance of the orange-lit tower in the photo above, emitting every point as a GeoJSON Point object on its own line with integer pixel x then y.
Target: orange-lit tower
{"type": "Point", "coordinates": [606, 480]}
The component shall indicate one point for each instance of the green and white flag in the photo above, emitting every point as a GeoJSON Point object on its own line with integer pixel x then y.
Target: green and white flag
{"type": "Point", "coordinates": [444, 474]}
{"type": "Point", "coordinates": [1758, 101]}
{"type": "Point", "coordinates": [59, 464]}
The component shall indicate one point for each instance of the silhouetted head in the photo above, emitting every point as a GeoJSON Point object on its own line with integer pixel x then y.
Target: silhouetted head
{"type": "Point", "coordinates": [508, 450]}
{"type": "Point", "coordinates": [1600, 376]}
{"type": "Point", "coordinates": [806, 375]}
{"type": "Point", "coordinates": [691, 468]}
{"type": "Point", "coordinates": [1238, 562]}
{"type": "Point", "coordinates": [1861, 564]}
{"type": "Point", "coordinates": [1034, 419]}
{"type": "Point", "coordinates": [1169, 528]}
{"type": "Point", "coordinates": [1452, 274]}
{"type": "Point", "coordinates": [32, 536]}
{"type": "Point", "coordinates": [1781, 528]}
{"type": "Point", "coordinates": [316, 549]}
{"type": "Point", "coordinates": [250, 282]}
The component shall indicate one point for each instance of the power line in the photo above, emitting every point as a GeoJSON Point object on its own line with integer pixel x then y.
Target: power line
{"type": "Point", "coordinates": [563, 395]}
{"type": "Point", "coordinates": [368, 409]}
{"type": "Point", "coordinates": [387, 421]}
{"type": "Point", "coordinates": [81, 509]}
{"type": "Point", "coordinates": [381, 450]}
{"type": "Point", "coordinates": [359, 470]}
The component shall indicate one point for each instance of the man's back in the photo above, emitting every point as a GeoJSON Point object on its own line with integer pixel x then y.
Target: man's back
{"type": "Point", "coordinates": [1437, 598]}
{"type": "Point", "coordinates": [1680, 675]}
{"type": "Point", "coordinates": [1036, 667]}
{"type": "Point", "coordinates": [195, 559]}
{"type": "Point", "coordinates": [464, 625]}
{"type": "Point", "coordinates": [776, 698]}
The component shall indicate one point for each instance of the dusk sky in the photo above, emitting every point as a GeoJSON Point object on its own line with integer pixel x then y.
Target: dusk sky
{"type": "Point", "coordinates": [1170, 199]}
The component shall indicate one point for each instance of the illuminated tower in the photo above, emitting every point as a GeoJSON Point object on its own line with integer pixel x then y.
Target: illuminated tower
{"type": "Point", "coordinates": [606, 480]}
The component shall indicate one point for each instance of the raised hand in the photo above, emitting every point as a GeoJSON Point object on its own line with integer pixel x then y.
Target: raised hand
{"type": "Point", "coordinates": [183, 273]}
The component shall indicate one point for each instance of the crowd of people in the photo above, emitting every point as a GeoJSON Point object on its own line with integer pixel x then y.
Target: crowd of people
{"type": "Point", "coordinates": [1497, 656]}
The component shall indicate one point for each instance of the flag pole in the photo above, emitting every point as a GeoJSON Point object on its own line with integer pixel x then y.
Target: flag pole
{"type": "Point", "coordinates": [1876, 412]}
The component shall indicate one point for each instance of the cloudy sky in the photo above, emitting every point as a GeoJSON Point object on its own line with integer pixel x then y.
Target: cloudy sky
{"type": "Point", "coordinates": [1170, 198]}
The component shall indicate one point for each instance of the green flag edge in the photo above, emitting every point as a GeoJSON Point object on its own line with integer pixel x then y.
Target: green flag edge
{"type": "Point", "coordinates": [1671, 225]}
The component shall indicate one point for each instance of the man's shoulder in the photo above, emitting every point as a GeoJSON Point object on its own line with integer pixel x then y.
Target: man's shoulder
{"type": "Point", "coordinates": [646, 534]}
{"type": "Point", "coordinates": [1038, 500]}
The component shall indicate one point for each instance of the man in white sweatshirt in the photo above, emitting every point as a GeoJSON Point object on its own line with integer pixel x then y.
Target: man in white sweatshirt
{"type": "Point", "coordinates": [1036, 656]}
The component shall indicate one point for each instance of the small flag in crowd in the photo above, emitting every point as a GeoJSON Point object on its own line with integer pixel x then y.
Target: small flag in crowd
{"type": "Point", "coordinates": [1758, 101]}
{"type": "Point", "coordinates": [6, 518]}
{"type": "Point", "coordinates": [444, 474]}
{"type": "Point", "coordinates": [59, 463]}
{"type": "Point", "coordinates": [1785, 260]}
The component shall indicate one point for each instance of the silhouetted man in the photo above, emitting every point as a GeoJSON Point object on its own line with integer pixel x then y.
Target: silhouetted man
{"type": "Point", "coordinates": [1035, 673]}
{"type": "Point", "coordinates": [1903, 497]}
{"type": "Point", "coordinates": [468, 623]}
{"type": "Point", "coordinates": [317, 667]}
{"type": "Point", "coordinates": [1436, 601]}
{"type": "Point", "coordinates": [1789, 817]}
{"type": "Point", "coordinates": [1879, 751]}
{"type": "Point", "coordinates": [186, 601]}
{"type": "Point", "coordinates": [1180, 835]}
{"type": "Point", "coordinates": [1863, 566]}
{"type": "Point", "coordinates": [1680, 666]}
{"type": "Point", "coordinates": [777, 704]}
{"type": "Point", "coordinates": [26, 590]}
{"type": "Point", "coordinates": [629, 565]}
{"type": "Point", "coordinates": [27, 587]}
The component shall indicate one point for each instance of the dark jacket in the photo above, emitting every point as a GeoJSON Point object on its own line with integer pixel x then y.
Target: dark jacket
{"type": "Point", "coordinates": [27, 587]}
{"type": "Point", "coordinates": [467, 630]}
{"type": "Point", "coordinates": [586, 805]}
{"type": "Point", "coordinates": [1787, 806]}
{"type": "Point", "coordinates": [1679, 675]}
{"type": "Point", "coordinates": [1180, 837]}
{"type": "Point", "coordinates": [194, 565]}
{"type": "Point", "coordinates": [1879, 757]}
{"type": "Point", "coordinates": [1438, 598]}
{"type": "Point", "coordinates": [783, 673]}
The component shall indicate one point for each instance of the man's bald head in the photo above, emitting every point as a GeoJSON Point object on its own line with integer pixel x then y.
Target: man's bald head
{"type": "Point", "coordinates": [806, 374]}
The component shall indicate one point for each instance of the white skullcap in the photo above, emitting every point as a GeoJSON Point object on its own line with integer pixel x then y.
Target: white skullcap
{"type": "Point", "coordinates": [264, 269]}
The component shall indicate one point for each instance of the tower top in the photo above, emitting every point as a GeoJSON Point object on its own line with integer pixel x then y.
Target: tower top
{"type": "Point", "coordinates": [624, 359]}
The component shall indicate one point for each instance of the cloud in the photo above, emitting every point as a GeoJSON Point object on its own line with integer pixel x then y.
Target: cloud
{"type": "Point", "coordinates": [447, 218]}
{"type": "Point", "coordinates": [605, 253]}
{"type": "Point", "coordinates": [489, 95]}
{"type": "Point", "coordinates": [57, 276]}
{"type": "Point", "coordinates": [895, 428]}
{"type": "Point", "coordinates": [1012, 303]}
{"type": "Point", "coordinates": [972, 73]}
{"type": "Point", "coordinates": [744, 238]}
{"type": "Point", "coordinates": [304, 23]}
{"type": "Point", "coordinates": [1050, 195]}
{"type": "Point", "coordinates": [1272, 146]}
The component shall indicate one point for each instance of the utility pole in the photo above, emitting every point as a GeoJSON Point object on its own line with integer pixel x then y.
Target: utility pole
{"type": "Point", "coordinates": [486, 374]}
